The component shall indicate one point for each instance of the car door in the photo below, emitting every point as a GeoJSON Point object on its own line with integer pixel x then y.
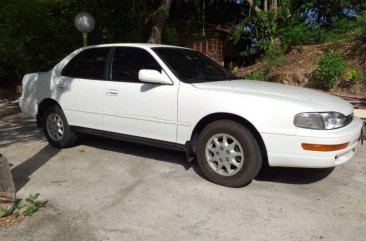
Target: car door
{"type": "Point", "coordinates": [80, 88]}
{"type": "Point", "coordinates": [135, 108]}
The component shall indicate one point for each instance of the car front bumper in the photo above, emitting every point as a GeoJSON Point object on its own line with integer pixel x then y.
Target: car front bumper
{"type": "Point", "coordinates": [286, 151]}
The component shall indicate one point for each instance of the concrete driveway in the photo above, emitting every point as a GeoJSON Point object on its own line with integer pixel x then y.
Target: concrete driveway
{"type": "Point", "coordinates": [111, 190]}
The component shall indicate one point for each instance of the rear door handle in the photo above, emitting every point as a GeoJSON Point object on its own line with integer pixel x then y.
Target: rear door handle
{"type": "Point", "coordinates": [112, 92]}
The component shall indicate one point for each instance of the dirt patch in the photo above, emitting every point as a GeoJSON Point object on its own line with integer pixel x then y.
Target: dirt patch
{"type": "Point", "coordinates": [10, 221]}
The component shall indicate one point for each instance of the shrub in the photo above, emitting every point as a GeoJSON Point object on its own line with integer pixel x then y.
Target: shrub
{"type": "Point", "coordinates": [274, 55]}
{"type": "Point", "coordinates": [341, 29]}
{"type": "Point", "coordinates": [354, 76]}
{"type": "Point", "coordinates": [361, 20]}
{"type": "Point", "coordinates": [170, 35]}
{"type": "Point", "coordinates": [351, 77]}
{"type": "Point", "coordinates": [301, 34]}
{"type": "Point", "coordinates": [256, 75]}
{"type": "Point", "coordinates": [330, 67]}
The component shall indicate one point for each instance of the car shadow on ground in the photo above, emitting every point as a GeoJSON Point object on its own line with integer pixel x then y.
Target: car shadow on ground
{"type": "Point", "coordinates": [293, 175]}
{"type": "Point", "coordinates": [267, 174]}
{"type": "Point", "coordinates": [140, 150]}
{"type": "Point", "coordinates": [22, 172]}
{"type": "Point", "coordinates": [15, 127]}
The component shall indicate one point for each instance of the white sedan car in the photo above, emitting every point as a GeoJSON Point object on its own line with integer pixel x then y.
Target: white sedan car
{"type": "Point", "coordinates": [177, 98]}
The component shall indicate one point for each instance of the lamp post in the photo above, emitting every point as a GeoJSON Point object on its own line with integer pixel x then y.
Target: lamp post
{"type": "Point", "coordinates": [85, 23]}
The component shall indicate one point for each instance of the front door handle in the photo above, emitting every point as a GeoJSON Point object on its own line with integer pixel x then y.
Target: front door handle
{"type": "Point", "coordinates": [112, 92]}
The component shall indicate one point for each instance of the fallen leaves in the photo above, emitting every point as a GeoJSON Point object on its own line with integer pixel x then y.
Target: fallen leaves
{"type": "Point", "coordinates": [11, 220]}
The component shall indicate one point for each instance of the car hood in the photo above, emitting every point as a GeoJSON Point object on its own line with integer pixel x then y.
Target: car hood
{"type": "Point", "coordinates": [316, 100]}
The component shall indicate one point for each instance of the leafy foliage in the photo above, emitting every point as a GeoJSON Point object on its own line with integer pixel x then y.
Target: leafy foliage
{"type": "Point", "coordinates": [274, 57]}
{"type": "Point", "coordinates": [301, 34]}
{"type": "Point", "coordinates": [29, 32]}
{"type": "Point", "coordinates": [36, 34]}
{"type": "Point", "coordinates": [256, 75]}
{"type": "Point", "coordinates": [5, 211]}
{"type": "Point", "coordinates": [342, 30]}
{"type": "Point", "coordinates": [329, 69]}
{"type": "Point", "coordinates": [30, 206]}
{"type": "Point", "coordinates": [170, 35]}
{"type": "Point", "coordinates": [260, 29]}
{"type": "Point", "coordinates": [327, 13]}
{"type": "Point", "coordinates": [361, 20]}
{"type": "Point", "coordinates": [355, 76]}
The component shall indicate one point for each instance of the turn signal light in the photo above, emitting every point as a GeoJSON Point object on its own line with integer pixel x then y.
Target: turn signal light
{"type": "Point", "coordinates": [316, 147]}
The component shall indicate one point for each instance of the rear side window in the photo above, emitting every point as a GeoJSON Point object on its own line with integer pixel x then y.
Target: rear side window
{"type": "Point", "coordinates": [128, 61]}
{"type": "Point", "coordinates": [89, 64]}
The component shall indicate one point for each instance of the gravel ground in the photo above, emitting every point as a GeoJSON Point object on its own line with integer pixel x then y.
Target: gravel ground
{"type": "Point", "coordinates": [111, 190]}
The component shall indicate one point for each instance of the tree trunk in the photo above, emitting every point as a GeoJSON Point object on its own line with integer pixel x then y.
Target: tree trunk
{"type": "Point", "coordinates": [159, 17]}
{"type": "Point", "coordinates": [253, 6]}
{"type": "Point", "coordinates": [274, 4]}
{"type": "Point", "coordinates": [270, 4]}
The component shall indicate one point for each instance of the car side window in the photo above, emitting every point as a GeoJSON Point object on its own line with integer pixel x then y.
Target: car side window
{"type": "Point", "coordinates": [128, 61]}
{"type": "Point", "coordinates": [89, 64]}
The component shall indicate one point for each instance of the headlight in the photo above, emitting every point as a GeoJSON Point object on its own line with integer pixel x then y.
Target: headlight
{"type": "Point", "coordinates": [320, 121]}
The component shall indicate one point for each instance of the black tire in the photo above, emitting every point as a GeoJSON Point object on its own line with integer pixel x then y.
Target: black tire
{"type": "Point", "coordinates": [250, 148]}
{"type": "Point", "coordinates": [68, 137]}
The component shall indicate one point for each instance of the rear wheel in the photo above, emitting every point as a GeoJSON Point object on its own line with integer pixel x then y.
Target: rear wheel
{"type": "Point", "coordinates": [56, 129]}
{"type": "Point", "coordinates": [228, 154]}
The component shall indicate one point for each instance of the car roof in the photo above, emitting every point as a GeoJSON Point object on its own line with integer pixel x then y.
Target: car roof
{"type": "Point", "coordinates": [139, 45]}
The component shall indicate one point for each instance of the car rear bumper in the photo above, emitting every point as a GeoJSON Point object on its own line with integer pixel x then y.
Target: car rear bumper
{"type": "Point", "coordinates": [27, 107]}
{"type": "Point", "coordinates": [284, 150]}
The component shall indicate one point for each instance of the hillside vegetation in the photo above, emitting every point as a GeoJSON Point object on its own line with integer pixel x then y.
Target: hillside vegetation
{"type": "Point", "coordinates": [300, 66]}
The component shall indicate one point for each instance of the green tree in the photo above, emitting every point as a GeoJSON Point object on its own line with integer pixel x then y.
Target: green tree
{"type": "Point", "coordinates": [29, 38]}
{"type": "Point", "coordinates": [36, 34]}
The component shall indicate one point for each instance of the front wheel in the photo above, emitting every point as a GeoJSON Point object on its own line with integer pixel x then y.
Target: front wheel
{"type": "Point", "coordinates": [228, 154]}
{"type": "Point", "coordinates": [56, 128]}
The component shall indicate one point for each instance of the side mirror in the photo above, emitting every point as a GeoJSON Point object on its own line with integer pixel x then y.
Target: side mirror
{"type": "Point", "coordinates": [154, 77]}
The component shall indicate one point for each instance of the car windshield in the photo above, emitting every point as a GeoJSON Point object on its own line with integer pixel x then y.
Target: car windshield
{"type": "Point", "coordinates": [191, 66]}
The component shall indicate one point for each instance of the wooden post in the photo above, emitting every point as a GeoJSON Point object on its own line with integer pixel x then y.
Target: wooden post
{"type": "Point", "coordinates": [7, 189]}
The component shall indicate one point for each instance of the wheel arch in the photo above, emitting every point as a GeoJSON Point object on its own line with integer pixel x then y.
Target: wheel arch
{"type": "Point", "coordinates": [233, 117]}
{"type": "Point", "coordinates": [42, 108]}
